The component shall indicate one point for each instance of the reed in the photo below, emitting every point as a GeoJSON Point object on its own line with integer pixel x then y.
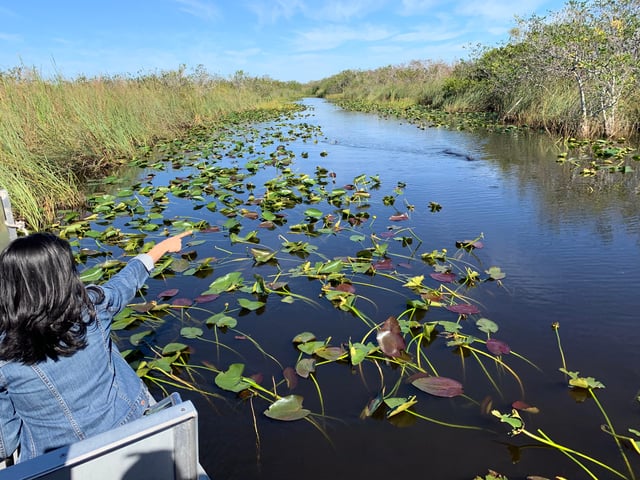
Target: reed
{"type": "Point", "coordinates": [57, 133]}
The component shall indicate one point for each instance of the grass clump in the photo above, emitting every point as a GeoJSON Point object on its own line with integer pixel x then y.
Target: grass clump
{"type": "Point", "coordinates": [58, 133]}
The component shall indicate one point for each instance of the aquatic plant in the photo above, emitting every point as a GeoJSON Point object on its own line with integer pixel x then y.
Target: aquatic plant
{"type": "Point", "coordinates": [281, 243]}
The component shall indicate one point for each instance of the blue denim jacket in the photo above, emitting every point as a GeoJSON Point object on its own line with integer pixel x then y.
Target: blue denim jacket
{"type": "Point", "coordinates": [55, 403]}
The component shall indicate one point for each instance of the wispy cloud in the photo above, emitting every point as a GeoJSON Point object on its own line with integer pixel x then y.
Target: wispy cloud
{"type": "Point", "coordinates": [332, 36]}
{"type": "Point", "coordinates": [199, 8]}
{"type": "Point", "coordinates": [342, 10]}
{"type": "Point", "coordinates": [269, 11]}
{"type": "Point", "coordinates": [242, 55]}
{"type": "Point", "coordinates": [10, 37]}
{"type": "Point", "coordinates": [417, 7]}
{"type": "Point", "coordinates": [497, 10]}
{"type": "Point", "coordinates": [428, 33]}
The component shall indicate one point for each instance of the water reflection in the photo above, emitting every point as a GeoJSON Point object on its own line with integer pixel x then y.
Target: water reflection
{"type": "Point", "coordinates": [568, 245]}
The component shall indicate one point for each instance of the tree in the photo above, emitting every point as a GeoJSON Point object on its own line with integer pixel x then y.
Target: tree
{"type": "Point", "coordinates": [596, 44]}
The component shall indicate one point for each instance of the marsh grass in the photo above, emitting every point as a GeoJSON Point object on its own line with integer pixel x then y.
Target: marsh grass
{"type": "Point", "coordinates": [55, 134]}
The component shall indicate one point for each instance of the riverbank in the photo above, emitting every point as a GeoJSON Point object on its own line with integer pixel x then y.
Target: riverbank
{"type": "Point", "coordinates": [57, 134]}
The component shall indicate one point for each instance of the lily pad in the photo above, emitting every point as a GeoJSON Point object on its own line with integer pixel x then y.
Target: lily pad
{"type": "Point", "coordinates": [250, 304]}
{"type": "Point", "coordinates": [232, 379]}
{"type": "Point", "coordinates": [398, 404]}
{"type": "Point", "coordinates": [171, 292]}
{"type": "Point", "coordinates": [390, 338]}
{"type": "Point", "coordinates": [173, 347]}
{"type": "Point", "coordinates": [287, 408]}
{"type": "Point", "coordinates": [306, 366]}
{"type": "Point", "coordinates": [487, 326]}
{"type": "Point", "coordinates": [191, 332]}
{"type": "Point", "coordinates": [290, 376]}
{"type": "Point", "coordinates": [497, 347]}
{"type": "Point", "coordinates": [304, 337]}
{"type": "Point", "coordinates": [221, 320]}
{"type": "Point", "coordinates": [439, 386]}
{"type": "Point", "coordinates": [206, 298]}
{"type": "Point", "coordinates": [463, 309]}
{"type": "Point", "coordinates": [444, 277]}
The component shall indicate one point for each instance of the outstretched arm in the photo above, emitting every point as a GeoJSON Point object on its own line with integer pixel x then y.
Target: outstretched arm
{"type": "Point", "coordinates": [171, 244]}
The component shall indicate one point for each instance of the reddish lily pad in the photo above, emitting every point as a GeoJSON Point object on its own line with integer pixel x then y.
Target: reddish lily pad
{"type": "Point", "coordinates": [525, 407]}
{"type": "Point", "coordinates": [290, 376]}
{"type": "Point", "coordinates": [143, 307]}
{"type": "Point", "coordinates": [399, 218]}
{"type": "Point", "coordinates": [171, 292]}
{"type": "Point", "coordinates": [439, 386]}
{"type": "Point", "coordinates": [444, 277]}
{"type": "Point", "coordinates": [497, 347]}
{"type": "Point", "coordinates": [182, 302]}
{"type": "Point", "coordinates": [463, 309]}
{"type": "Point", "coordinates": [346, 287]}
{"type": "Point", "coordinates": [206, 298]}
{"type": "Point", "coordinates": [390, 338]}
{"type": "Point", "coordinates": [385, 264]}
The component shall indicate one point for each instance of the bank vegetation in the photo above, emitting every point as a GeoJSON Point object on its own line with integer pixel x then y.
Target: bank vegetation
{"type": "Point", "coordinates": [57, 133]}
{"type": "Point", "coordinates": [575, 73]}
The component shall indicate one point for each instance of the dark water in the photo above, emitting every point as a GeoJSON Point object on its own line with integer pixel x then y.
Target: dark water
{"type": "Point", "coordinates": [570, 248]}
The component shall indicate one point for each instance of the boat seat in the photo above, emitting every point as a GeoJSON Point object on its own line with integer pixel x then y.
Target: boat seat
{"type": "Point", "coordinates": [161, 445]}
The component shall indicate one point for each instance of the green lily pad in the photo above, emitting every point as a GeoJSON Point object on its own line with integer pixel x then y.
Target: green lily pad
{"type": "Point", "coordinates": [287, 408]}
{"type": "Point", "coordinates": [191, 332]}
{"type": "Point", "coordinates": [398, 404]}
{"type": "Point", "coordinates": [226, 283]}
{"type": "Point", "coordinates": [173, 347]}
{"type": "Point", "coordinates": [221, 320]}
{"type": "Point", "coordinates": [304, 337]}
{"type": "Point", "coordinates": [313, 213]}
{"type": "Point", "coordinates": [232, 379]}
{"type": "Point", "coordinates": [487, 326]}
{"type": "Point", "coordinates": [306, 366]}
{"type": "Point", "coordinates": [250, 304]}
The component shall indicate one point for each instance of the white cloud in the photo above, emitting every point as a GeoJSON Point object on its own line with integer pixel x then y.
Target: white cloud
{"type": "Point", "coordinates": [270, 11]}
{"type": "Point", "coordinates": [332, 36]}
{"type": "Point", "coordinates": [242, 55]}
{"type": "Point", "coordinates": [428, 33]}
{"type": "Point", "coordinates": [497, 10]}
{"type": "Point", "coordinates": [199, 8]}
{"type": "Point", "coordinates": [342, 10]}
{"type": "Point", "coordinates": [417, 7]}
{"type": "Point", "coordinates": [10, 37]}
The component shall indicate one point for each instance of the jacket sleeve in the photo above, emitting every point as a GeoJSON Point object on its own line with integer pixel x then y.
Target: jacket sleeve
{"type": "Point", "coordinates": [120, 289]}
{"type": "Point", "coordinates": [10, 424]}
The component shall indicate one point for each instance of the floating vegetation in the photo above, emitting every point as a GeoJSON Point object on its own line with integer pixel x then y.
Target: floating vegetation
{"type": "Point", "coordinates": [284, 248]}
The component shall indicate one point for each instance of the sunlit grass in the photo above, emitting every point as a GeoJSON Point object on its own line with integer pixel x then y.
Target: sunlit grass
{"type": "Point", "coordinates": [57, 133]}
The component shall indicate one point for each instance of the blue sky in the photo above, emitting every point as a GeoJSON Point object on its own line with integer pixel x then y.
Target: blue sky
{"type": "Point", "coordinates": [284, 39]}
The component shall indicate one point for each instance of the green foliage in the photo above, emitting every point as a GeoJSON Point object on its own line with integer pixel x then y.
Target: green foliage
{"type": "Point", "coordinates": [55, 134]}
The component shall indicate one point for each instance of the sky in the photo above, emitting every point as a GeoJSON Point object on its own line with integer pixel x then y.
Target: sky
{"type": "Point", "coordinates": [301, 40]}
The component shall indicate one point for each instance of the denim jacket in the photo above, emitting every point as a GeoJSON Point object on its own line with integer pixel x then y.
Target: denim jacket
{"type": "Point", "coordinates": [55, 403]}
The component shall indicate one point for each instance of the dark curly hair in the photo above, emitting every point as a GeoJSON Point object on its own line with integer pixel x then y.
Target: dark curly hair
{"type": "Point", "coordinates": [44, 307]}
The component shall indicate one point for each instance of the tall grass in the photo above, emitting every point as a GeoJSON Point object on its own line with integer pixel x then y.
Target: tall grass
{"type": "Point", "coordinates": [467, 87]}
{"type": "Point", "coordinates": [414, 83]}
{"type": "Point", "coordinates": [57, 133]}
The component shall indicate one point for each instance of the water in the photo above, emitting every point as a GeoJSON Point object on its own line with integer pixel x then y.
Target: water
{"type": "Point", "coordinates": [570, 249]}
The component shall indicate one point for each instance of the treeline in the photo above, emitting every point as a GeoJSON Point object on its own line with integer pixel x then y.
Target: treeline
{"type": "Point", "coordinates": [575, 73]}
{"type": "Point", "coordinates": [55, 134]}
